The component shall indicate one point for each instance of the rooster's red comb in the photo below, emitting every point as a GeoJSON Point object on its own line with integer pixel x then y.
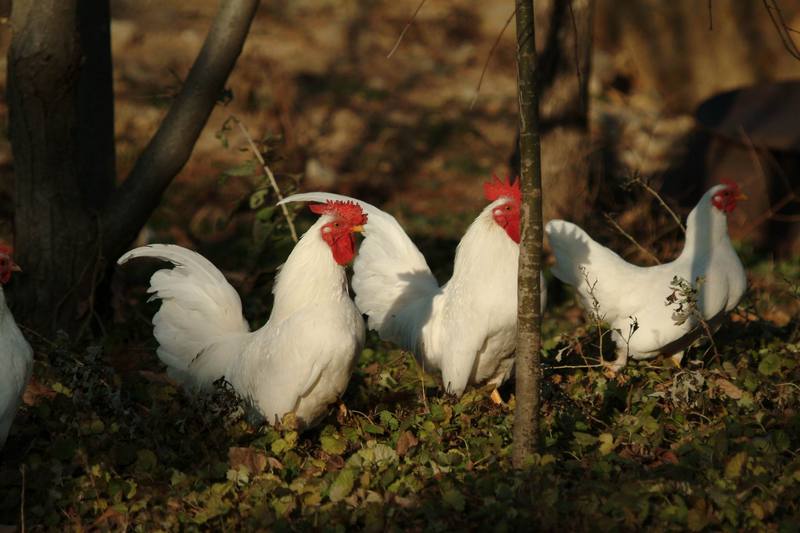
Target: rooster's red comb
{"type": "Point", "coordinates": [732, 185]}
{"type": "Point", "coordinates": [350, 212]}
{"type": "Point", "coordinates": [496, 188]}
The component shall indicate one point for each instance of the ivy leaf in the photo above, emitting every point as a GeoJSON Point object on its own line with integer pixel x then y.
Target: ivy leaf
{"type": "Point", "coordinates": [333, 444]}
{"type": "Point", "coordinates": [606, 443]}
{"type": "Point", "coordinates": [342, 485]}
{"type": "Point", "coordinates": [733, 468]}
{"type": "Point", "coordinates": [770, 364]}
{"type": "Point", "coordinates": [454, 499]}
{"type": "Point", "coordinates": [584, 439]}
{"type": "Point", "coordinates": [405, 442]}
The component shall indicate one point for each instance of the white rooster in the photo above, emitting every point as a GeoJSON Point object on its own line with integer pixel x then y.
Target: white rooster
{"type": "Point", "coordinates": [16, 355]}
{"type": "Point", "coordinates": [466, 328]}
{"type": "Point", "coordinates": [301, 360]}
{"type": "Point", "coordinates": [624, 292]}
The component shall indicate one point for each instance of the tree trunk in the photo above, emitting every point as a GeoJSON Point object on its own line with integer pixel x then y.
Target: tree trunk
{"type": "Point", "coordinates": [70, 222]}
{"type": "Point", "coordinates": [529, 322]}
{"type": "Point", "coordinates": [55, 232]}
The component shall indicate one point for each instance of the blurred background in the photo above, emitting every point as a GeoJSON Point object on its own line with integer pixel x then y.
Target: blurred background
{"type": "Point", "coordinates": [635, 93]}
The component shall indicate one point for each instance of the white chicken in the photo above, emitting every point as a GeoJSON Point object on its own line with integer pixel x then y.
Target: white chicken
{"type": "Point", "coordinates": [301, 360]}
{"type": "Point", "coordinates": [466, 328]}
{"type": "Point", "coordinates": [16, 355]}
{"type": "Point", "coordinates": [621, 292]}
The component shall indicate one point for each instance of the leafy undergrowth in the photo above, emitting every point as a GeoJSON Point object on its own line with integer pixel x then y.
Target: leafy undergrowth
{"type": "Point", "coordinates": [712, 445]}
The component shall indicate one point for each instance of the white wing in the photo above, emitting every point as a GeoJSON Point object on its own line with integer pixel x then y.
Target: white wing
{"type": "Point", "coordinates": [199, 326]}
{"type": "Point", "coordinates": [598, 273]}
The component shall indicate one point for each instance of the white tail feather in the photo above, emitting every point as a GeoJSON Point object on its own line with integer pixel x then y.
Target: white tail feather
{"type": "Point", "coordinates": [389, 272]}
{"type": "Point", "coordinates": [199, 326]}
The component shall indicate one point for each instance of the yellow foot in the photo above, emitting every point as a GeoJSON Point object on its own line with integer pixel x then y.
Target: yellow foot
{"type": "Point", "coordinates": [676, 359]}
{"type": "Point", "coordinates": [495, 397]}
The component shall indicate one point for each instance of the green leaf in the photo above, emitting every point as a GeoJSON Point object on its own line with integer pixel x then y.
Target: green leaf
{"type": "Point", "coordinates": [454, 499]}
{"type": "Point", "coordinates": [771, 364]}
{"type": "Point", "coordinates": [584, 439]}
{"type": "Point", "coordinates": [733, 468]}
{"type": "Point", "coordinates": [258, 198]}
{"type": "Point", "coordinates": [374, 429]}
{"type": "Point", "coordinates": [606, 443]}
{"type": "Point", "coordinates": [342, 485]}
{"type": "Point", "coordinates": [333, 444]}
{"type": "Point", "coordinates": [248, 168]}
{"type": "Point", "coordinates": [146, 460]}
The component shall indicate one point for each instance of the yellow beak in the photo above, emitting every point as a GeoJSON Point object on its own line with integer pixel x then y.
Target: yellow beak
{"type": "Point", "coordinates": [15, 268]}
{"type": "Point", "coordinates": [357, 229]}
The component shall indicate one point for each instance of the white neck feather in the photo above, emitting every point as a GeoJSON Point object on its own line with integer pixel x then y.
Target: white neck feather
{"type": "Point", "coordinates": [706, 227]}
{"type": "Point", "coordinates": [486, 252]}
{"type": "Point", "coordinates": [309, 275]}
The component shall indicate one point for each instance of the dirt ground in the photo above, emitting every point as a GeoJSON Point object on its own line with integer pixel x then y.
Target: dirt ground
{"type": "Point", "coordinates": [314, 79]}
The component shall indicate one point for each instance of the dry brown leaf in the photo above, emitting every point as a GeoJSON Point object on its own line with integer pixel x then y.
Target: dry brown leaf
{"type": "Point", "coordinates": [731, 390]}
{"type": "Point", "coordinates": [255, 460]}
{"type": "Point", "coordinates": [36, 390]}
{"type": "Point", "coordinates": [406, 441]}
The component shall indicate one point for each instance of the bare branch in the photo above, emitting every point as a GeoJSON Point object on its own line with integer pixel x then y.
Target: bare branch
{"type": "Point", "coordinates": [171, 146]}
{"type": "Point", "coordinates": [489, 57]}
{"type": "Point", "coordinates": [269, 174]}
{"type": "Point", "coordinates": [783, 29]}
{"type": "Point", "coordinates": [654, 194]}
{"type": "Point", "coordinates": [577, 53]}
{"type": "Point", "coordinates": [710, 17]}
{"type": "Point", "coordinates": [405, 29]}
{"type": "Point", "coordinates": [644, 250]}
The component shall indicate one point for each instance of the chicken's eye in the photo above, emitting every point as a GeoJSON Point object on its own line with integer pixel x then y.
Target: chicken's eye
{"type": "Point", "coordinates": [508, 208]}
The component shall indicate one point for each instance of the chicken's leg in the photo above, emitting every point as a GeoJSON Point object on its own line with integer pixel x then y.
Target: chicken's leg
{"type": "Point", "coordinates": [496, 398]}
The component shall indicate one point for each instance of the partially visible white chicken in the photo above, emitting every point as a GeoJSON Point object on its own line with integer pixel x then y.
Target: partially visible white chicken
{"type": "Point", "coordinates": [301, 360]}
{"type": "Point", "coordinates": [16, 355]}
{"type": "Point", "coordinates": [466, 328]}
{"type": "Point", "coordinates": [624, 292]}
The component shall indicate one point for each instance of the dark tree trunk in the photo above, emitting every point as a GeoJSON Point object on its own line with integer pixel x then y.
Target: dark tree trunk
{"type": "Point", "coordinates": [97, 156]}
{"type": "Point", "coordinates": [529, 322]}
{"type": "Point", "coordinates": [70, 221]}
{"type": "Point", "coordinates": [55, 232]}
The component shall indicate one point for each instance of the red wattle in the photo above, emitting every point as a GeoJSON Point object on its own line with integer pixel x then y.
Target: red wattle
{"type": "Point", "coordinates": [344, 249]}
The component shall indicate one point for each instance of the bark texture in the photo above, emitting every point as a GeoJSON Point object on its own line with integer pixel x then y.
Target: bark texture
{"type": "Point", "coordinates": [529, 338]}
{"type": "Point", "coordinates": [70, 222]}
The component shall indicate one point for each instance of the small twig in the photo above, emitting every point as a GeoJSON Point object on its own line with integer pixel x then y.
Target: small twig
{"type": "Point", "coordinates": [577, 53]}
{"type": "Point", "coordinates": [783, 29]}
{"type": "Point", "coordinates": [573, 366]}
{"type": "Point", "coordinates": [710, 17]}
{"type": "Point", "coordinates": [405, 29]}
{"type": "Point", "coordinates": [661, 201]}
{"type": "Point", "coordinates": [772, 212]}
{"type": "Point", "coordinates": [269, 174]}
{"type": "Point", "coordinates": [489, 57]}
{"type": "Point", "coordinates": [630, 238]}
